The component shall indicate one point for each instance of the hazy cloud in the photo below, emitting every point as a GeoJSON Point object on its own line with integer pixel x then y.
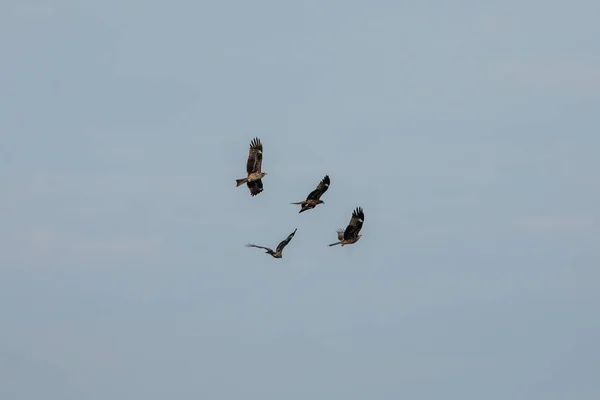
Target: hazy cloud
{"type": "Point", "coordinates": [52, 240]}
{"type": "Point", "coordinates": [568, 76]}
{"type": "Point", "coordinates": [556, 224]}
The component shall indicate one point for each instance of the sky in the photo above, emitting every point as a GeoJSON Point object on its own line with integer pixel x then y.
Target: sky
{"type": "Point", "coordinates": [468, 132]}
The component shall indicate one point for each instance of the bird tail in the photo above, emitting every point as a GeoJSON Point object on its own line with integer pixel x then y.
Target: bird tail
{"type": "Point", "coordinates": [239, 182]}
{"type": "Point", "coordinates": [333, 244]}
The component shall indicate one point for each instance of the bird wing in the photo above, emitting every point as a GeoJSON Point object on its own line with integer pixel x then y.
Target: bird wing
{"type": "Point", "coordinates": [255, 187]}
{"type": "Point", "coordinates": [258, 247]}
{"type": "Point", "coordinates": [254, 162]}
{"type": "Point", "coordinates": [340, 234]}
{"type": "Point", "coordinates": [355, 225]}
{"type": "Point", "coordinates": [285, 242]}
{"type": "Point", "coordinates": [321, 188]}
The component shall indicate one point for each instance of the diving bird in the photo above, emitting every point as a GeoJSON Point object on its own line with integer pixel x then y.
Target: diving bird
{"type": "Point", "coordinates": [253, 169]}
{"type": "Point", "coordinates": [314, 197]}
{"type": "Point", "coordinates": [279, 250]}
{"type": "Point", "coordinates": [350, 234]}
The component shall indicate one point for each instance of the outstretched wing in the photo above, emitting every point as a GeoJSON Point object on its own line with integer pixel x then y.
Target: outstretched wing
{"type": "Point", "coordinates": [321, 188]}
{"type": "Point", "coordinates": [255, 187]}
{"type": "Point", "coordinates": [285, 242]}
{"type": "Point", "coordinates": [254, 162]}
{"type": "Point", "coordinates": [340, 233]}
{"type": "Point", "coordinates": [258, 247]}
{"type": "Point", "coordinates": [355, 225]}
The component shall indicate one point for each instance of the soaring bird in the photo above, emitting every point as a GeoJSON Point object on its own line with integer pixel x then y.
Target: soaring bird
{"type": "Point", "coordinates": [279, 250]}
{"type": "Point", "coordinates": [253, 169]}
{"type": "Point", "coordinates": [350, 234]}
{"type": "Point", "coordinates": [314, 197]}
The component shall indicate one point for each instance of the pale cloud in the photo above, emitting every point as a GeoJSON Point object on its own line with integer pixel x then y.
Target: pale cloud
{"type": "Point", "coordinates": [41, 8]}
{"type": "Point", "coordinates": [124, 155]}
{"type": "Point", "coordinates": [571, 76]}
{"type": "Point", "coordinates": [101, 198]}
{"type": "Point", "coordinates": [43, 182]}
{"type": "Point", "coordinates": [556, 224]}
{"type": "Point", "coordinates": [43, 240]}
{"type": "Point", "coordinates": [44, 246]}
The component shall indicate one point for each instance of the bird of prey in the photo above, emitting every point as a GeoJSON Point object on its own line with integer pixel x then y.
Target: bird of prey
{"type": "Point", "coordinates": [314, 197]}
{"type": "Point", "coordinates": [253, 169]}
{"type": "Point", "coordinates": [279, 250]}
{"type": "Point", "coordinates": [350, 234]}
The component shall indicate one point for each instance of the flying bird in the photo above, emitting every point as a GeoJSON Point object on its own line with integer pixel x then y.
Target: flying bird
{"type": "Point", "coordinates": [253, 169]}
{"type": "Point", "coordinates": [314, 197]}
{"type": "Point", "coordinates": [350, 234]}
{"type": "Point", "coordinates": [279, 250]}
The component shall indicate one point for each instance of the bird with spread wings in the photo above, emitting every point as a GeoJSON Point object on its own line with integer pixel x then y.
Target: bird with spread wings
{"type": "Point", "coordinates": [278, 253]}
{"type": "Point", "coordinates": [253, 169]}
{"type": "Point", "coordinates": [351, 233]}
{"type": "Point", "coordinates": [314, 197]}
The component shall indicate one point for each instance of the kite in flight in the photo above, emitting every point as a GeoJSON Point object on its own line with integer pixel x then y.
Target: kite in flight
{"type": "Point", "coordinates": [253, 169]}
{"type": "Point", "coordinates": [279, 250]}
{"type": "Point", "coordinates": [314, 197]}
{"type": "Point", "coordinates": [350, 234]}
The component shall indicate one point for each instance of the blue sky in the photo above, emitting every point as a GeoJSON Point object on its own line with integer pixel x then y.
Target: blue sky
{"type": "Point", "coordinates": [468, 132]}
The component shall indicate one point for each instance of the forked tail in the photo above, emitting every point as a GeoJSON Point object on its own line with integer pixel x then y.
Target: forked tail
{"type": "Point", "coordinates": [239, 182]}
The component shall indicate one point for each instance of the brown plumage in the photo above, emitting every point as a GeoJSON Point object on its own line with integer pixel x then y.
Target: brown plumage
{"type": "Point", "coordinates": [351, 233]}
{"type": "Point", "coordinates": [278, 253]}
{"type": "Point", "coordinates": [253, 169]}
{"type": "Point", "coordinates": [255, 187]}
{"type": "Point", "coordinates": [314, 197]}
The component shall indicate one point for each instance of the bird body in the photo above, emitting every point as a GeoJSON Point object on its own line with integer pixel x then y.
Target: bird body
{"type": "Point", "coordinates": [351, 235]}
{"type": "Point", "coordinates": [278, 253]}
{"type": "Point", "coordinates": [253, 180]}
{"type": "Point", "coordinates": [314, 198]}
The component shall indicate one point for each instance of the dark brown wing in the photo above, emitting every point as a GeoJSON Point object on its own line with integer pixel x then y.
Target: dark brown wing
{"type": "Point", "coordinates": [254, 162]}
{"type": "Point", "coordinates": [285, 242]}
{"type": "Point", "coordinates": [255, 187]}
{"type": "Point", "coordinates": [355, 225]}
{"type": "Point", "coordinates": [259, 247]}
{"type": "Point", "coordinates": [321, 188]}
